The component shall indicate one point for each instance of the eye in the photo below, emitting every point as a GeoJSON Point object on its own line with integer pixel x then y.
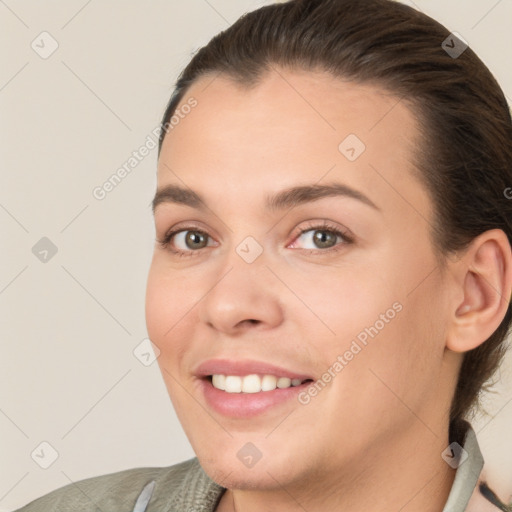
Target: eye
{"type": "Point", "coordinates": [324, 237]}
{"type": "Point", "coordinates": [190, 240]}
{"type": "Point", "coordinates": [184, 242]}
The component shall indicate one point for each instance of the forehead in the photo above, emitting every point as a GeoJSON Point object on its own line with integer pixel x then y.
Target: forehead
{"type": "Point", "coordinates": [293, 126]}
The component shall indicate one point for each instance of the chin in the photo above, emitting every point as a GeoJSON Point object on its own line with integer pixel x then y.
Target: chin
{"type": "Point", "coordinates": [234, 478]}
{"type": "Point", "coordinates": [233, 474]}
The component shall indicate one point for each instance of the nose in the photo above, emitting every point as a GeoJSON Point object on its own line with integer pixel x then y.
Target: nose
{"type": "Point", "coordinates": [244, 296]}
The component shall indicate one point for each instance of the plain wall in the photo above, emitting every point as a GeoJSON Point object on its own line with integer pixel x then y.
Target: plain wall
{"type": "Point", "coordinates": [69, 325]}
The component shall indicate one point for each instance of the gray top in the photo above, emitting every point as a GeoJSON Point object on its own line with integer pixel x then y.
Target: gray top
{"type": "Point", "coordinates": [185, 487]}
{"type": "Point", "coordinates": [466, 477]}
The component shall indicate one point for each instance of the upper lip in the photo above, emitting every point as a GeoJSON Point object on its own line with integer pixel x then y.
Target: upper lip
{"type": "Point", "coordinates": [245, 367]}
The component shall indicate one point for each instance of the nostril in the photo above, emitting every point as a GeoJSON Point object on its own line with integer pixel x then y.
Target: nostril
{"type": "Point", "coordinates": [249, 321]}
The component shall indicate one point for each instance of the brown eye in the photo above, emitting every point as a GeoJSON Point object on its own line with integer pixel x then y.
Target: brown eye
{"type": "Point", "coordinates": [324, 239]}
{"type": "Point", "coordinates": [319, 238]}
{"type": "Point", "coordinates": [191, 239]}
{"type": "Point", "coordinates": [186, 242]}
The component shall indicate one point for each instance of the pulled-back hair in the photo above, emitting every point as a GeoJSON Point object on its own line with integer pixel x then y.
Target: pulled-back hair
{"type": "Point", "coordinates": [465, 157]}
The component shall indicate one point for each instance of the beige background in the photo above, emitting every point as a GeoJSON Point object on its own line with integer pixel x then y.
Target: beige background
{"type": "Point", "coordinates": [70, 325]}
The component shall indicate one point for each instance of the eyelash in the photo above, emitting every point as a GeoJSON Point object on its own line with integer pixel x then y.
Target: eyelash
{"type": "Point", "coordinates": [325, 226]}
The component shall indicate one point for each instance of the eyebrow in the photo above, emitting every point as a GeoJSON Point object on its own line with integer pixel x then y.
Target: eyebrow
{"type": "Point", "coordinates": [283, 199]}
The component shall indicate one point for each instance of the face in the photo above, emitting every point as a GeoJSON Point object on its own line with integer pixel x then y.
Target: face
{"type": "Point", "coordinates": [296, 254]}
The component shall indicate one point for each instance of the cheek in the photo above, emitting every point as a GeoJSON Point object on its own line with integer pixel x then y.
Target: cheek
{"type": "Point", "coordinates": [163, 312]}
{"type": "Point", "coordinates": [382, 380]}
{"type": "Point", "coordinates": [400, 366]}
{"type": "Point", "coordinates": [387, 320]}
{"type": "Point", "coordinates": [168, 305]}
{"type": "Point", "coordinates": [157, 307]}
{"type": "Point", "coordinates": [342, 304]}
{"type": "Point", "coordinates": [168, 298]}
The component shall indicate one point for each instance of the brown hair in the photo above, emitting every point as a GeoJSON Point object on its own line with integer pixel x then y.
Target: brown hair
{"type": "Point", "coordinates": [465, 159]}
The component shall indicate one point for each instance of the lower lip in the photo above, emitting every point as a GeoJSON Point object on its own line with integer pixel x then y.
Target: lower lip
{"type": "Point", "coordinates": [247, 405]}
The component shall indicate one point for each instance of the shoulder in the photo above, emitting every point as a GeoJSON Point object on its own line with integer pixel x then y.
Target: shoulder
{"type": "Point", "coordinates": [176, 488]}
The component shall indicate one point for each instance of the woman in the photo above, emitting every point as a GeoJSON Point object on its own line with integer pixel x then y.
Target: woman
{"type": "Point", "coordinates": [331, 281]}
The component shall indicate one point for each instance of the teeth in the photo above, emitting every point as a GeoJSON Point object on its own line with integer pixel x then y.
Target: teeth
{"type": "Point", "coordinates": [233, 384]}
{"type": "Point", "coordinates": [284, 382]}
{"type": "Point", "coordinates": [219, 381]}
{"type": "Point", "coordinates": [252, 383]}
{"type": "Point", "coordinates": [268, 383]}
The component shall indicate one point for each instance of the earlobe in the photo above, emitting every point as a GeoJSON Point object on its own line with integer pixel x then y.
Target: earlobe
{"type": "Point", "coordinates": [486, 282]}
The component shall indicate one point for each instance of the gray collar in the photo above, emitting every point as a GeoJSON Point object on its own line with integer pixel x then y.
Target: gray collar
{"type": "Point", "coordinates": [467, 474]}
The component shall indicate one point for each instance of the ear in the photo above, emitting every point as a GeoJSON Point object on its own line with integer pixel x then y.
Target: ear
{"type": "Point", "coordinates": [484, 276]}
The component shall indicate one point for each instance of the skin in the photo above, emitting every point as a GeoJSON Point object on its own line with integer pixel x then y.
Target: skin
{"type": "Point", "coordinates": [376, 432]}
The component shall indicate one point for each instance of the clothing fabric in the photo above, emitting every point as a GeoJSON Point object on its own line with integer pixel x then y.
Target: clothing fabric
{"type": "Point", "coordinates": [185, 487]}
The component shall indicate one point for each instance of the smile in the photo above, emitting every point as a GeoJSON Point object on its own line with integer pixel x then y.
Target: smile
{"type": "Point", "coordinates": [245, 388]}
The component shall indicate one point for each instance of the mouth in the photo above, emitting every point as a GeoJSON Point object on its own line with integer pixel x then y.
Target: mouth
{"type": "Point", "coordinates": [245, 389]}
